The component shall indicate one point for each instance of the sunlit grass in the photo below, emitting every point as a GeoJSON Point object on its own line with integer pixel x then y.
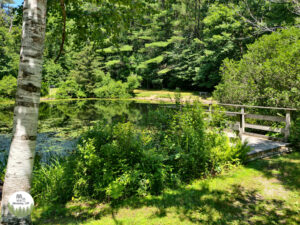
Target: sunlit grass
{"type": "Point", "coordinates": [141, 95]}
{"type": "Point", "coordinates": [262, 192]}
{"type": "Point", "coordinates": [52, 92]}
{"type": "Point", "coordinates": [162, 93]}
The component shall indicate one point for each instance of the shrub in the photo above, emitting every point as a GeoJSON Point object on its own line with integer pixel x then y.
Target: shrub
{"type": "Point", "coordinates": [101, 86]}
{"type": "Point", "coordinates": [194, 149]}
{"type": "Point", "coordinates": [8, 87]}
{"type": "Point", "coordinates": [258, 77]}
{"type": "Point", "coordinates": [114, 89]}
{"type": "Point", "coordinates": [184, 142]}
{"type": "Point", "coordinates": [53, 183]}
{"type": "Point", "coordinates": [133, 82]}
{"type": "Point", "coordinates": [53, 72]}
{"type": "Point", "coordinates": [45, 89]}
{"type": "Point", "coordinates": [114, 162]}
{"type": "Point", "coordinates": [295, 133]}
{"type": "Point", "coordinates": [69, 89]}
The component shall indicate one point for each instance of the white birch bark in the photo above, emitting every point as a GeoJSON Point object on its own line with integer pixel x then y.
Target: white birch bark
{"type": "Point", "coordinates": [22, 150]}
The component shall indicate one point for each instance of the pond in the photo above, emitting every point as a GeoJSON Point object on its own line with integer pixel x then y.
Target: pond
{"type": "Point", "coordinates": [62, 122]}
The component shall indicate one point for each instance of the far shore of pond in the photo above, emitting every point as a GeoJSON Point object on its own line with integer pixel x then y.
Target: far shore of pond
{"type": "Point", "coordinates": [141, 96]}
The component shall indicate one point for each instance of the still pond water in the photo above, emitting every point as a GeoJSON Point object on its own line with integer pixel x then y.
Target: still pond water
{"type": "Point", "coordinates": [62, 122]}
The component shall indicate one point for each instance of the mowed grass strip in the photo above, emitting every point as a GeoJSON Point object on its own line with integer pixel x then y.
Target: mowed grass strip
{"type": "Point", "coordinates": [162, 93]}
{"type": "Point", "coordinates": [261, 192]}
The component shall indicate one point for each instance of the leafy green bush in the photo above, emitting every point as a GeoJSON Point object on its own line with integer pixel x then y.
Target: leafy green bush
{"type": "Point", "coordinates": [295, 133]}
{"type": "Point", "coordinates": [53, 72]}
{"type": "Point", "coordinates": [52, 183]}
{"type": "Point", "coordinates": [195, 149]}
{"type": "Point", "coordinates": [184, 142]}
{"type": "Point", "coordinates": [101, 86]}
{"type": "Point", "coordinates": [133, 82]}
{"type": "Point", "coordinates": [45, 89]}
{"type": "Point", "coordinates": [268, 74]}
{"type": "Point", "coordinates": [8, 87]}
{"type": "Point", "coordinates": [69, 89]}
{"type": "Point", "coordinates": [117, 161]}
{"type": "Point", "coordinates": [114, 89]}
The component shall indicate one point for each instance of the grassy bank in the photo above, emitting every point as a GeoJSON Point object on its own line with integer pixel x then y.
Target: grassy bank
{"type": "Point", "coordinates": [162, 93]}
{"type": "Point", "coordinates": [147, 95]}
{"type": "Point", "coordinates": [139, 95]}
{"type": "Point", "coordinates": [263, 192]}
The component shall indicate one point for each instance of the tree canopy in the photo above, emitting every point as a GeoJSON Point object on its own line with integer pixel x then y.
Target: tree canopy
{"type": "Point", "coordinates": [268, 74]}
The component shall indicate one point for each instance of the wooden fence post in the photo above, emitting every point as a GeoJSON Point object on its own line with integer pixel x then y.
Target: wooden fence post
{"type": "Point", "coordinates": [242, 121]}
{"type": "Point", "coordinates": [287, 124]}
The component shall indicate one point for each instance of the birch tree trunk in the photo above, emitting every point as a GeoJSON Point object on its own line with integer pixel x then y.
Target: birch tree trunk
{"type": "Point", "coordinates": [22, 150]}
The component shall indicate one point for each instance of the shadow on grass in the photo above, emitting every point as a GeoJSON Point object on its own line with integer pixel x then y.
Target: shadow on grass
{"type": "Point", "coordinates": [195, 205]}
{"type": "Point", "coordinates": [236, 204]}
{"type": "Point", "coordinates": [286, 169]}
{"type": "Point", "coordinates": [219, 207]}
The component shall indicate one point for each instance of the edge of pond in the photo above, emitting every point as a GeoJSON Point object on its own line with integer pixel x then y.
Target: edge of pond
{"type": "Point", "coordinates": [11, 102]}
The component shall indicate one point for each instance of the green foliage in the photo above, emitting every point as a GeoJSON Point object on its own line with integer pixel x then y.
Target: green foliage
{"type": "Point", "coordinates": [133, 82]}
{"type": "Point", "coordinates": [114, 89]}
{"type": "Point", "coordinates": [123, 48]}
{"type": "Point", "coordinates": [155, 60]}
{"type": "Point", "coordinates": [45, 89]}
{"type": "Point", "coordinates": [112, 62]}
{"type": "Point", "coordinates": [117, 162]}
{"type": "Point", "coordinates": [9, 47]}
{"type": "Point", "coordinates": [69, 89]}
{"type": "Point", "coordinates": [53, 72]}
{"type": "Point", "coordinates": [157, 44]}
{"type": "Point", "coordinates": [168, 43]}
{"type": "Point", "coordinates": [218, 117]}
{"type": "Point", "coordinates": [221, 28]}
{"type": "Point", "coordinates": [164, 71]}
{"type": "Point", "coordinates": [88, 80]}
{"type": "Point", "coordinates": [52, 183]}
{"type": "Point", "coordinates": [184, 143]}
{"type": "Point", "coordinates": [8, 87]}
{"type": "Point", "coordinates": [295, 133]}
{"type": "Point", "coordinates": [267, 75]}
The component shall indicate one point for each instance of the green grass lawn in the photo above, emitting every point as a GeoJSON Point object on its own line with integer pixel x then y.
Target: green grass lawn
{"type": "Point", "coordinates": [261, 192]}
{"type": "Point", "coordinates": [144, 95]}
{"type": "Point", "coordinates": [139, 93]}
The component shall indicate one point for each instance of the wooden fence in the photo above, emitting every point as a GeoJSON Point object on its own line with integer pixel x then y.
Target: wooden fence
{"type": "Point", "coordinates": [242, 114]}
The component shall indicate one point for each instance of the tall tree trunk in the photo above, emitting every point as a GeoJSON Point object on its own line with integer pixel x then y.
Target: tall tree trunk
{"type": "Point", "coordinates": [22, 150]}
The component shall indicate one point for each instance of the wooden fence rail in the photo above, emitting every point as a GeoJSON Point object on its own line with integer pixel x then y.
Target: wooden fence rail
{"type": "Point", "coordinates": [242, 114]}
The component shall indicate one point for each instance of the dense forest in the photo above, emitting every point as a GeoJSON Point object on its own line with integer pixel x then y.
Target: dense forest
{"type": "Point", "coordinates": [163, 44]}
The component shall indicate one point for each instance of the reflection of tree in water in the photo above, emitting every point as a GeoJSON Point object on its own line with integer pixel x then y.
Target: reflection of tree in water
{"type": "Point", "coordinates": [71, 118]}
{"type": "Point", "coordinates": [117, 111]}
{"type": "Point", "coordinates": [62, 122]}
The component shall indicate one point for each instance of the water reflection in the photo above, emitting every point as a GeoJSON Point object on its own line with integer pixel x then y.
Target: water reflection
{"type": "Point", "coordinates": [62, 122]}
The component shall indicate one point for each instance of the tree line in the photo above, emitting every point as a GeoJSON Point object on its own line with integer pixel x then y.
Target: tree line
{"type": "Point", "coordinates": [165, 44]}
